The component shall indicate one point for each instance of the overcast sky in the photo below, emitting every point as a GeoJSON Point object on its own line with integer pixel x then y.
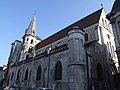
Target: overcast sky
{"type": "Point", "coordinates": [52, 16]}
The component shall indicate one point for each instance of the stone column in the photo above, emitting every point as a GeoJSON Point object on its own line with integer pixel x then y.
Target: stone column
{"type": "Point", "coordinates": [77, 64]}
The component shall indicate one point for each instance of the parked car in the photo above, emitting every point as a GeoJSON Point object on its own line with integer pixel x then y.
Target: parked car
{"type": "Point", "coordinates": [41, 88]}
{"type": "Point", "coordinates": [9, 88]}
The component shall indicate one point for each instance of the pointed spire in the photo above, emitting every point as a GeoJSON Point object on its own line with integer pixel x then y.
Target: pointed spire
{"type": "Point", "coordinates": [32, 26]}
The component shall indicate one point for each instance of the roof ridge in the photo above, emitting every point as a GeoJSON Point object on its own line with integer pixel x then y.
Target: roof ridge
{"type": "Point", "coordinates": [82, 23]}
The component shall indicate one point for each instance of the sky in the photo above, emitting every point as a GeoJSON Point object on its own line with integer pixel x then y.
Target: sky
{"type": "Point", "coordinates": [51, 16]}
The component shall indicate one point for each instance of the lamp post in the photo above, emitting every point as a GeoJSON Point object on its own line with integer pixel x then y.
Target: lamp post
{"type": "Point", "coordinates": [48, 53]}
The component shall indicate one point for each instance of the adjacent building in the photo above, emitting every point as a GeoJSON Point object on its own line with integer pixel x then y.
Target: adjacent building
{"type": "Point", "coordinates": [114, 17]}
{"type": "Point", "coordinates": [2, 75]}
{"type": "Point", "coordinates": [79, 57]}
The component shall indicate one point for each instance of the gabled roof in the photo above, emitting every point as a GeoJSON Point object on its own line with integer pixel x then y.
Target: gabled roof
{"type": "Point", "coordinates": [116, 5]}
{"type": "Point", "coordinates": [83, 23]}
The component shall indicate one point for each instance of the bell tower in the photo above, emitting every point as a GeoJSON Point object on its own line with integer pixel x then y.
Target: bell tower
{"type": "Point", "coordinates": [30, 39]}
{"type": "Point", "coordinates": [30, 35]}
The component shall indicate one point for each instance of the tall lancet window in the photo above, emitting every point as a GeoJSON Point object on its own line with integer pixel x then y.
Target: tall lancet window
{"type": "Point", "coordinates": [33, 32]}
{"type": "Point", "coordinates": [86, 37]}
{"type": "Point", "coordinates": [18, 75]}
{"type": "Point", "coordinates": [58, 71]}
{"type": "Point", "coordinates": [32, 41]}
{"type": "Point", "coordinates": [26, 75]}
{"type": "Point", "coordinates": [12, 74]}
{"type": "Point", "coordinates": [38, 76]}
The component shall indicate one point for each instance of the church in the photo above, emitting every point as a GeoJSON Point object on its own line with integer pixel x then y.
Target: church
{"type": "Point", "coordinates": [79, 57]}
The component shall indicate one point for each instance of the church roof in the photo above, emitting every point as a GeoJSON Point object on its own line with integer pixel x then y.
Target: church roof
{"type": "Point", "coordinates": [83, 23]}
{"type": "Point", "coordinates": [116, 5]}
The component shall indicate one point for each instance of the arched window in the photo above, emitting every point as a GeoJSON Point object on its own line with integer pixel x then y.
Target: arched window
{"type": "Point", "coordinates": [86, 37]}
{"type": "Point", "coordinates": [27, 56]}
{"type": "Point", "coordinates": [110, 48]}
{"type": "Point", "coordinates": [33, 32]}
{"type": "Point", "coordinates": [30, 50]}
{"type": "Point", "coordinates": [32, 41]}
{"type": "Point", "coordinates": [108, 36]}
{"type": "Point", "coordinates": [113, 51]}
{"type": "Point", "coordinates": [26, 74]}
{"type": "Point", "coordinates": [27, 39]}
{"type": "Point", "coordinates": [38, 76]}
{"type": "Point", "coordinates": [106, 25]}
{"type": "Point", "coordinates": [107, 46]}
{"type": "Point", "coordinates": [58, 71]}
{"type": "Point", "coordinates": [99, 72]}
{"type": "Point", "coordinates": [103, 22]}
{"type": "Point", "coordinates": [12, 76]}
{"type": "Point", "coordinates": [18, 75]}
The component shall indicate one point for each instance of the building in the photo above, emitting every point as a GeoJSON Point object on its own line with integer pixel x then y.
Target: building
{"type": "Point", "coordinates": [2, 75]}
{"type": "Point", "coordinates": [79, 57]}
{"type": "Point", "coordinates": [114, 17]}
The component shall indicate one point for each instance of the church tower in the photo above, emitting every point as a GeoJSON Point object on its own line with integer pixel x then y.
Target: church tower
{"type": "Point", "coordinates": [77, 63]}
{"type": "Point", "coordinates": [30, 39]}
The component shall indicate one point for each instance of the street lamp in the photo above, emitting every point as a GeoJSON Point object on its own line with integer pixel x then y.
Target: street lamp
{"type": "Point", "coordinates": [48, 53]}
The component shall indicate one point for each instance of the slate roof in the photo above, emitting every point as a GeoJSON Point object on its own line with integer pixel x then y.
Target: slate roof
{"type": "Point", "coordinates": [83, 23]}
{"type": "Point", "coordinates": [116, 5]}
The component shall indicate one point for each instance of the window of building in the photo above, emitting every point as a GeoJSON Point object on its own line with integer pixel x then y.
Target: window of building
{"type": "Point", "coordinates": [26, 74]}
{"type": "Point", "coordinates": [113, 51]}
{"type": "Point", "coordinates": [58, 71]}
{"type": "Point", "coordinates": [119, 24]}
{"type": "Point", "coordinates": [99, 72]}
{"type": "Point", "coordinates": [30, 50]}
{"type": "Point", "coordinates": [101, 34]}
{"type": "Point", "coordinates": [8, 80]}
{"type": "Point", "coordinates": [108, 36]}
{"type": "Point", "coordinates": [106, 25]}
{"type": "Point", "coordinates": [108, 47]}
{"type": "Point", "coordinates": [18, 75]}
{"type": "Point", "coordinates": [27, 56]}
{"type": "Point", "coordinates": [86, 37]}
{"type": "Point", "coordinates": [103, 22]}
{"type": "Point", "coordinates": [38, 76]}
{"type": "Point", "coordinates": [12, 74]}
{"type": "Point", "coordinates": [32, 41]}
{"type": "Point", "coordinates": [27, 39]}
{"type": "Point", "coordinates": [33, 32]}
{"type": "Point", "coordinates": [109, 27]}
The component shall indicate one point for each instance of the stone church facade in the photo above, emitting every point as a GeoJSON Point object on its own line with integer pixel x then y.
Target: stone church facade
{"type": "Point", "coordinates": [79, 57]}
